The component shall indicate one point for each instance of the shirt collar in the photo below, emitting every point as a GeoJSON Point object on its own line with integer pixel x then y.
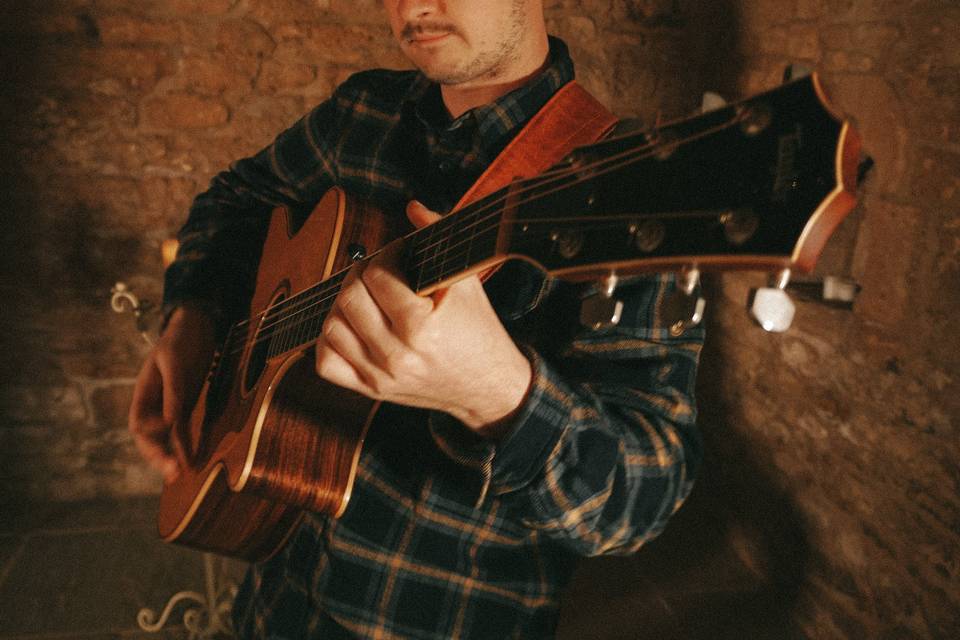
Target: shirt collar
{"type": "Point", "coordinates": [505, 114]}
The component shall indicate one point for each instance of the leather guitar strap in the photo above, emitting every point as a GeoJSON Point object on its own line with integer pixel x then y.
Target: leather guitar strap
{"type": "Point", "coordinates": [571, 118]}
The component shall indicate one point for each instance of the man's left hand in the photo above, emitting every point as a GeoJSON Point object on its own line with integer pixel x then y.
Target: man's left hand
{"type": "Point", "coordinates": [447, 351]}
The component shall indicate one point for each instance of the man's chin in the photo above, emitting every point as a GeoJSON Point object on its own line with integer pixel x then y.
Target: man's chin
{"type": "Point", "coordinates": [445, 79]}
{"type": "Point", "coordinates": [443, 75]}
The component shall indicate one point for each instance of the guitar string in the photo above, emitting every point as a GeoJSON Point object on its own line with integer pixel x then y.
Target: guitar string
{"type": "Point", "coordinates": [655, 146]}
{"type": "Point", "coordinates": [555, 186]}
{"type": "Point", "coordinates": [310, 302]}
{"type": "Point", "coordinates": [318, 309]}
{"type": "Point", "coordinates": [296, 300]}
{"type": "Point", "coordinates": [444, 228]}
{"type": "Point", "coordinates": [550, 179]}
{"type": "Point", "coordinates": [546, 179]}
{"type": "Point", "coordinates": [463, 216]}
{"type": "Point", "coordinates": [536, 182]}
{"type": "Point", "coordinates": [609, 221]}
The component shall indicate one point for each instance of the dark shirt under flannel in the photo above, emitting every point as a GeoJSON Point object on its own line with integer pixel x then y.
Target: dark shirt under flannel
{"type": "Point", "coordinates": [447, 536]}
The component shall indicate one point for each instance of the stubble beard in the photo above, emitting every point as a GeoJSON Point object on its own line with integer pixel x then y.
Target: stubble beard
{"type": "Point", "coordinates": [491, 61]}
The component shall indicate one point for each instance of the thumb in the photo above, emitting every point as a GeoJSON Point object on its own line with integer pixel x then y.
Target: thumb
{"type": "Point", "coordinates": [420, 216]}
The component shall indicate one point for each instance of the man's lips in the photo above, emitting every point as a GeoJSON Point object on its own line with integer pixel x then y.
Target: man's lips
{"type": "Point", "coordinates": [426, 38]}
{"type": "Point", "coordinates": [425, 33]}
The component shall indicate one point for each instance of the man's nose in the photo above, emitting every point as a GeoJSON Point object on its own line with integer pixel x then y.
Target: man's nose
{"type": "Point", "coordinates": [411, 10]}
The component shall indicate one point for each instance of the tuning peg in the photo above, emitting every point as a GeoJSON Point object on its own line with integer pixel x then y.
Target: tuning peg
{"type": "Point", "coordinates": [840, 291]}
{"type": "Point", "coordinates": [601, 310]}
{"type": "Point", "coordinates": [796, 71]}
{"type": "Point", "coordinates": [834, 291]}
{"type": "Point", "coordinates": [771, 307]}
{"type": "Point", "coordinates": [683, 309]}
{"type": "Point", "coordinates": [711, 101]}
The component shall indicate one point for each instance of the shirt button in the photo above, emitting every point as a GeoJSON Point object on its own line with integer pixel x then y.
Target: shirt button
{"type": "Point", "coordinates": [445, 166]}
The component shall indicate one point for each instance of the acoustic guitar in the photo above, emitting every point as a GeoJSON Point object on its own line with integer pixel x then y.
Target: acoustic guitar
{"type": "Point", "coordinates": [756, 185]}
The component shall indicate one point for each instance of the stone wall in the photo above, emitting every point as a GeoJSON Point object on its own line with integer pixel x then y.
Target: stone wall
{"type": "Point", "coordinates": [849, 422]}
{"type": "Point", "coordinates": [829, 503]}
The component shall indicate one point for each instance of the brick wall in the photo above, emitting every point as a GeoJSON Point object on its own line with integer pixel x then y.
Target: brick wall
{"type": "Point", "coordinates": [850, 420]}
{"type": "Point", "coordinates": [117, 114]}
{"type": "Point", "coordinates": [832, 482]}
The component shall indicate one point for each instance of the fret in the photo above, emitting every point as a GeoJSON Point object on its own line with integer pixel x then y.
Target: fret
{"type": "Point", "coordinates": [289, 331]}
{"type": "Point", "coordinates": [466, 233]}
{"type": "Point", "coordinates": [313, 326]}
{"type": "Point", "coordinates": [467, 239]}
{"type": "Point", "coordinates": [425, 262]}
{"type": "Point", "coordinates": [256, 338]}
{"type": "Point", "coordinates": [443, 249]}
{"type": "Point", "coordinates": [438, 252]}
{"type": "Point", "coordinates": [273, 332]}
{"type": "Point", "coordinates": [470, 242]}
{"type": "Point", "coordinates": [300, 332]}
{"type": "Point", "coordinates": [270, 331]}
{"type": "Point", "coordinates": [283, 329]}
{"type": "Point", "coordinates": [316, 323]}
{"type": "Point", "coordinates": [294, 328]}
{"type": "Point", "coordinates": [314, 312]}
{"type": "Point", "coordinates": [309, 318]}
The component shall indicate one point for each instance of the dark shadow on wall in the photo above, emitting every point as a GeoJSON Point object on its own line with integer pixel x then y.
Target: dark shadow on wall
{"type": "Point", "coordinates": [18, 62]}
{"type": "Point", "coordinates": [56, 269]}
{"type": "Point", "coordinates": [696, 48]}
{"type": "Point", "coordinates": [42, 249]}
{"type": "Point", "coordinates": [731, 563]}
{"type": "Point", "coordinates": [18, 65]}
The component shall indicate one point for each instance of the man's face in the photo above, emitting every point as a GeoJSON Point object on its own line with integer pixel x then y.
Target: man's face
{"type": "Point", "coordinates": [461, 41]}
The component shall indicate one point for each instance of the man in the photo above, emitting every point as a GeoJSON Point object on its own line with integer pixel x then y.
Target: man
{"type": "Point", "coordinates": [512, 441]}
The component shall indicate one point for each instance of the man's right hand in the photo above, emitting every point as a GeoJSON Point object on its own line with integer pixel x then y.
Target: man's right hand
{"type": "Point", "coordinates": [167, 388]}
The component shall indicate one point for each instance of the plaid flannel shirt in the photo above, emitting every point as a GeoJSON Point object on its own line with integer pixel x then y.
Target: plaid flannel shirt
{"type": "Point", "coordinates": [446, 535]}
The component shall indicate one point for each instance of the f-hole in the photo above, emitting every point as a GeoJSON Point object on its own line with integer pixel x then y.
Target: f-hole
{"type": "Point", "coordinates": [268, 334]}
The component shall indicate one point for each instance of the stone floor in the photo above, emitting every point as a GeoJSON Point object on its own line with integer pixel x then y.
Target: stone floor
{"type": "Point", "coordinates": [84, 570]}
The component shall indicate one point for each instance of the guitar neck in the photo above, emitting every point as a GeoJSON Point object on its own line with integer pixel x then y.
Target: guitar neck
{"type": "Point", "coordinates": [457, 244]}
{"type": "Point", "coordinates": [758, 184]}
{"type": "Point", "coordinates": [434, 256]}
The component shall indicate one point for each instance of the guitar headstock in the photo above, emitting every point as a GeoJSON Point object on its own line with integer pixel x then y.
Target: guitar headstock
{"type": "Point", "coordinates": [756, 185]}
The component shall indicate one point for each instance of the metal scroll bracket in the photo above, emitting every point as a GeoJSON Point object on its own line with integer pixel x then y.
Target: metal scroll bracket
{"type": "Point", "coordinates": [210, 618]}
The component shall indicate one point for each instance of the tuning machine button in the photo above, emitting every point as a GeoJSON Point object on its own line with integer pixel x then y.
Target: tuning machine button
{"type": "Point", "coordinates": [663, 143]}
{"type": "Point", "coordinates": [683, 309]}
{"type": "Point", "coordinates": [796, 71]}
{"type": "Point", "coordinates": [648, 234]}
{"type": "Point", "coordinates": [739, 225]}
{"type": "Point", "coordinates": [840, 291]}
{"type": "Point", "coordinates": [601, 310]}
{"type": "Point", "coordinates": [712, 101]}
{"type": "Point", "coordinates": [568, 242]}
{"type": "Point", "coordinates": [771, 307]}
{"type": "Point", "coordinates": [754, 118]}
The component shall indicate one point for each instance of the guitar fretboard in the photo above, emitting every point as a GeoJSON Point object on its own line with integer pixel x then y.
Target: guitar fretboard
{"type": "Point", "coordinates": [453, 244]}
{"type": "Point", "coordinates": [644, 201]}
{"type": "Point", "coordinates": [434, 254]}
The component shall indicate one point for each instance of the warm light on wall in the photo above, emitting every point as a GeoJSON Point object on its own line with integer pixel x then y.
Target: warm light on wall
{"type": "Point", "coordinates": [168, 251]}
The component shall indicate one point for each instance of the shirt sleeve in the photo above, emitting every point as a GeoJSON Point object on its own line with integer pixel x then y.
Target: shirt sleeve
{"type": "Point", "coordinates": [605, 448]}
{"type": "Point", "coordinates": [220, 244]}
